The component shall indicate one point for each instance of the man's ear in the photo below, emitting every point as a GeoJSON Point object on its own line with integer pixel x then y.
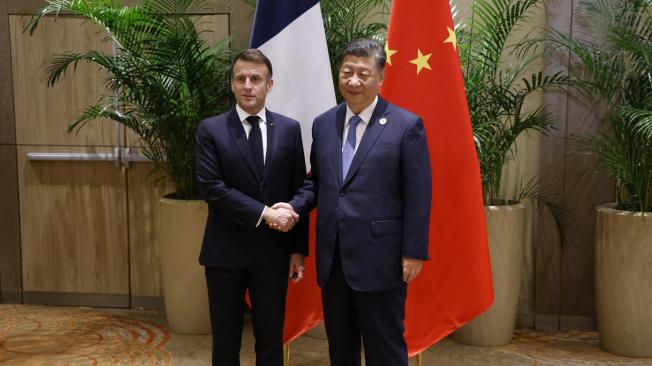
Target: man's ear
{"type": "Point", "coordinates": [270, 84]}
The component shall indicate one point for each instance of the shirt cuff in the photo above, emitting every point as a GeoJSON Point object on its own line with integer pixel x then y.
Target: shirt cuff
{"type": "Point", "coordinates": [261, 216]}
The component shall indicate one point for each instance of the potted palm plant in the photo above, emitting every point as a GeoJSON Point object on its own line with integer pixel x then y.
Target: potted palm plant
{"type": "Point", "coordinates": [497, 93]}
{"type": "Point", "coordinates": [616, 60]}
{"type": "Point", "coordinates": [162, 80]}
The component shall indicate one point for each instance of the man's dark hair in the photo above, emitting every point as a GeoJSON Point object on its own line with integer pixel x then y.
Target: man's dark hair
{"type": "Point", "coordinates": [255, 56]}
{"type": "Point", "coordinates": [364, 47]}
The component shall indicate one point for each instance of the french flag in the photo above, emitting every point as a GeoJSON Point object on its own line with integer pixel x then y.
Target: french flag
{"type": "Point", "coordinates": [291, 34]}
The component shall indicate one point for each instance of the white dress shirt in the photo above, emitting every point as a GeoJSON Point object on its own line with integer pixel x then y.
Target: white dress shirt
{"type": "Point", "coordinates": [365, 117]}
{"type": "Point", "coordinates": [262, 114]}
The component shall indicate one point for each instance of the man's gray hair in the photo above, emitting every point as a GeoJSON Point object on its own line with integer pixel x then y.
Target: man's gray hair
{"type": "Point", "coordinates": [364, 47]}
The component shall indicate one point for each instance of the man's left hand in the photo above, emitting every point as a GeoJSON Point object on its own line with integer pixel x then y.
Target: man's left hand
{"type": "Point", "coordinates": [296, 267]}
{"type": "Point", "coordinates": [411, 268]}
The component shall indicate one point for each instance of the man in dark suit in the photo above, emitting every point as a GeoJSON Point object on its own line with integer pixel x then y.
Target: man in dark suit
{"type": "Point", "coordinates": [247, 159]}
{"type": "Point", "coordinates": [372, 186]}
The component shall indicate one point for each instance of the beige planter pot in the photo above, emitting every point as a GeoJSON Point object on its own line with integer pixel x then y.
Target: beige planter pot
{"type": "Point", "coordinates": [623, 281]}
{"type": "Point", "coordinates": [181, 228]}
{"type": "Point", "coordinates": [506, 233]}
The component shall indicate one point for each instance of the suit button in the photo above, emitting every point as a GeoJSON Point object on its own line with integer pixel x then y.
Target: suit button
{"type": "Point", "coordinates": [342, 194]}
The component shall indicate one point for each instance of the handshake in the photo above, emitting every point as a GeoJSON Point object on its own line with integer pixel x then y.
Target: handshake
{"type": "Point", "coordinates": [280, 217]}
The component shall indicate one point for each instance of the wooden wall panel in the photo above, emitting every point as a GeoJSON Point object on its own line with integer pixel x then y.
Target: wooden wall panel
{"type": "Point", "coordinates": [7, 129]}
{"type": "Point", "coordinates": [10, 281]}
{"type": "Point", "coordinates": [565, 278]}
{"type": "Point", "coordinates": [240, 23]}
{"type": "Point", "coordinates": [73, 225]}
{"type": "Point", "coordinates": [44, 113]}
{"type": "Point", "coordinates": [552, 167]}
{"type": "Point", "coordinates": [10, 273]}
{"type": "Point", "coordinates": [144, 194]}
{"type": "Point", "coordinates": [586, 187]}
{"type": "Point", "coordinates": [24, 6]}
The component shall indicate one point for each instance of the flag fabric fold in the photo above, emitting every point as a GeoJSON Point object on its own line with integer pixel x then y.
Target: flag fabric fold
{"type": "Point", "coordinates": [291, 34]}
{"type": "Point", "coordinates": [423, 74]}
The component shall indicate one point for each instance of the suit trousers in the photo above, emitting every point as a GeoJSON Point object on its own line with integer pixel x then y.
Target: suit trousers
{"type": "Point", "coordinates": [226, 298]}
{"type": "Point", "coordinates": [375, 316]}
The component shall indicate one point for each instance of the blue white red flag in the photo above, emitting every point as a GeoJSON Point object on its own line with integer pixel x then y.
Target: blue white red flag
{"type": "Point", "coordinates": [291, 34]}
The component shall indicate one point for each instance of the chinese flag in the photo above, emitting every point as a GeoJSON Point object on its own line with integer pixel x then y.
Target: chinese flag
{"type": "Point", "coordinates": [423, 75]}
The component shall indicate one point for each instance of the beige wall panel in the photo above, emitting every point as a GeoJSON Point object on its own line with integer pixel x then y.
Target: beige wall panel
{"type": "Point", "coordinates": [7, 126]}
{"type": "Point", "coordinates": [144, 194]}
{"type": "Point", "coordinates": [10, 281]}
{"type": "Point", "coordinates": [552, 169]}
{"type": "Point", "coordinates": [43, 113]}
{"type": "Point", "coordinates": [73, 224]}
{"type": "Point", "coordinates": [24, 6]}
{"type": "Point", "coordinates": [214, 28]}
{"type": "Point", "coordinates": [240, 22]}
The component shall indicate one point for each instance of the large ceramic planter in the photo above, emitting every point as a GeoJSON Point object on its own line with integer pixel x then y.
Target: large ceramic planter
{"type": "Point", "coordinates": [506, 234]}
{"type": "Point", "coordinates": [623, 281]}
{"type": "Point", "coordinates": [181, 228]}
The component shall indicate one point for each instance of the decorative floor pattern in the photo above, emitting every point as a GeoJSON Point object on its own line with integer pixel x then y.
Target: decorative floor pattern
{"type": "Point", "coordinates": [58, 336]}
{"type": "Point", "coordinates": [568, 348]}
{"type": "Point", "coordinates": [52, 336]}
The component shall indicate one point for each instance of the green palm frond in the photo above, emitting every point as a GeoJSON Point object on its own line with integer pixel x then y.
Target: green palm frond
{"type": "Point", "coordinates": [617, 64]}
{"type": "Point", "coordinates": [162, 79]}
{"type": "Point", "coordinates": [497, 90]}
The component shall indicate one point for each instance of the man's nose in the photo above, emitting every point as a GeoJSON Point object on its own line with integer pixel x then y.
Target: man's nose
{"type": "Point", "coordinates": [354, 81]}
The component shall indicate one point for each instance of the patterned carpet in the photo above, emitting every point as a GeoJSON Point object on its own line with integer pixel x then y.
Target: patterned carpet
{"type": "Point", "coordinates": [39, 335]}
{"type": "Point", "coordinates": [57, 336]}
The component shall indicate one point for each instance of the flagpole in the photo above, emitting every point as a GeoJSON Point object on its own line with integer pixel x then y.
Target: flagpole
{"type": "Point", "coordinates": [420, 359]}
{"type": "Point", "coordinates": [286, 354]}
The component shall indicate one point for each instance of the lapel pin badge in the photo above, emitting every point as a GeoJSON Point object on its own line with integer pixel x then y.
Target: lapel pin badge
{"type": "Point", "coordinates": [382, 121]}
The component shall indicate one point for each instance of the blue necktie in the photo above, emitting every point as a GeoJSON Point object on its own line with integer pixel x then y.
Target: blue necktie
{"type": "Point", "coordinates": [349, 146]}
{"type": "Point", "coordinates": [256, 143]}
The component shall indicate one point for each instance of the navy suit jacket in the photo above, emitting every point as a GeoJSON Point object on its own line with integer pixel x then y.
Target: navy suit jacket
{"type": "Point", "coordinates": [236, 194]}
{"type": "Point", "coordinates": [380, 211]}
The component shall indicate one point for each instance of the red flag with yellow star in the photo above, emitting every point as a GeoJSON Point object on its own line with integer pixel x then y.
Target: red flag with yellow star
{"type": "Point", "coordinates": [423, 75]}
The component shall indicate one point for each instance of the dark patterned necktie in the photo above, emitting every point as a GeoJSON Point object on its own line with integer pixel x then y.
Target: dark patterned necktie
{"type": "Point", "coordinates": [256, 143]}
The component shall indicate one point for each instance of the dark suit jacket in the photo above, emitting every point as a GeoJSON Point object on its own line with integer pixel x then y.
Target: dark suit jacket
{"type": "Point", "coordinates": [380, 211]}
{"type": "Point", "coordinates": [236, 194]}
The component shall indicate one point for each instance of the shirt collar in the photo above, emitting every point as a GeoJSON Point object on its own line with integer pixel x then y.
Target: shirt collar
{"type": "Point", "coordinates": [365, 115]}
{"type": "Point", "coordinates": [242, 114]}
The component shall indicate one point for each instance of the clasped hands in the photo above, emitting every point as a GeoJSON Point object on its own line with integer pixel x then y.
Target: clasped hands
{"type": "Point", "coordinates": [281, 217]}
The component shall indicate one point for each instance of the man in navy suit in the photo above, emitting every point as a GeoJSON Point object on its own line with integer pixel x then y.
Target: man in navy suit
{"type": "Point", "coordinates": [247, 159]}
{"type": "Point", "coordinates": [372, 186]}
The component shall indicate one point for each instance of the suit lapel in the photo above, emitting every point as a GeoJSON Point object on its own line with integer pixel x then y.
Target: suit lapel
{"type": "Point", "coordinates": [272, 144]}
{"type": "Point", "coordinates": [339, 128]}
{"type": "Point", "coordinates": [240, 138]}
{"type": "Point", "coordinates": [371, 134]}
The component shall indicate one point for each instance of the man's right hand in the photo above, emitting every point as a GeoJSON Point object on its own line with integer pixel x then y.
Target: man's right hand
{"type": "Point", "coordinates": [280, 218]}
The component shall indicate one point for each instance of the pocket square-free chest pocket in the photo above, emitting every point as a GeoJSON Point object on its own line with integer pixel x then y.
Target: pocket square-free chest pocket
{"type": "Point", "coordinates": [386, 227]}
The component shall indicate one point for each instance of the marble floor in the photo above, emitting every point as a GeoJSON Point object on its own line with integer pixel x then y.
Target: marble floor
{"type": "Point", "coordinates": [40, 335]}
